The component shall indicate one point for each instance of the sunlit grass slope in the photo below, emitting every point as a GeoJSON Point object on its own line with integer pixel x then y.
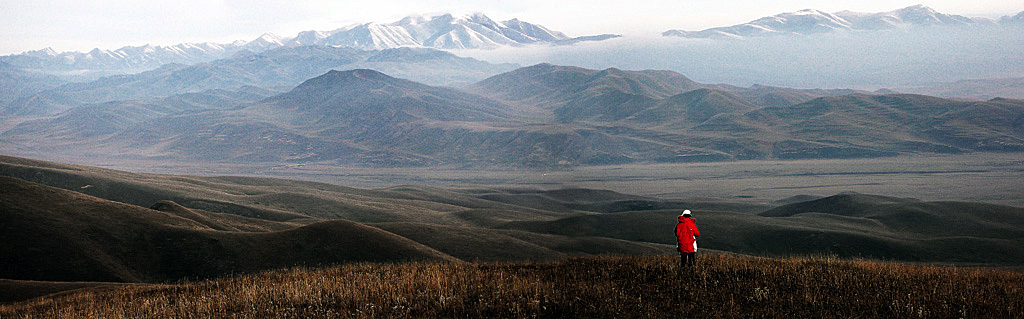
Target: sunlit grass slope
{"type": "Point", "coordinates": [593, 287]}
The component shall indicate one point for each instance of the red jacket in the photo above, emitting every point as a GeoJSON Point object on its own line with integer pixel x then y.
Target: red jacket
{"type": "Point", "coordinates": [686, 235]}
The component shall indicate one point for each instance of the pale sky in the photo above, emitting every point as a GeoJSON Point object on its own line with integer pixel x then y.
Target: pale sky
{"type": "Point", "coordinates": [77, 25]}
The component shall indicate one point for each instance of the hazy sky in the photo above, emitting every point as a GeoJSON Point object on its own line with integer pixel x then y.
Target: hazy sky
{"type": "Point", "coordinates": [76, 25]}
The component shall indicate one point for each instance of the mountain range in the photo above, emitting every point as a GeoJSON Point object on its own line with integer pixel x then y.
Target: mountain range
{"type": "Point", "coordinates": [283, 67]}
{"type": "Point", "coordinates": [539, 116]}
{"type": "Point", "coordinates": [974, 89]}
{"type": "Point", "coordinates": [475, 31]}
{"type": "Point", "coordinates": [810, 21]}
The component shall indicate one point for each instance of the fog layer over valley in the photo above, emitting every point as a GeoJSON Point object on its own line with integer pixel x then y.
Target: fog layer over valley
{"type": "Point", "coordinates": [898, 58]}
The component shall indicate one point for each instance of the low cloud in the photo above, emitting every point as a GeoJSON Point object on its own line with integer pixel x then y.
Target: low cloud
{"type": "Point", "coordinates": [867, 60]}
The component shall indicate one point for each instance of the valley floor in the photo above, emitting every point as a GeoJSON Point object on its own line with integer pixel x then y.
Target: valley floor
{"type": "Point", "coordinates": [642, 287]}
{"type": "Point", "coordinates": [994, 178]}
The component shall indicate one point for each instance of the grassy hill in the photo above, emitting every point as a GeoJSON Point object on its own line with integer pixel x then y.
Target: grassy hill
{"type": "Point", "coordinates": [59, 235]}
{"type": "Point", "coordinates": [846, 225]}
{"type": "Point", "coordinates": [66, 223]}
{"type": "Point", "coordinates": [77, 223]}
{"type": "Point", "coordinates": [481, 244]}
{"type": "Point", "coordinates": [633, 287]}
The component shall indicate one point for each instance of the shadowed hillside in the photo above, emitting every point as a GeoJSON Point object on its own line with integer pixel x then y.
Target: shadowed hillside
{"type": "Point", "coordinates": [481, 244]}
{"type": "Point", "coordinates": [58, 235]}
{"type": "Point", "coordinates": [843, 225]}
{"type": "Point", "coordinates": [67, 223]}
{"type": "Point", "coordinates": [199, 227]}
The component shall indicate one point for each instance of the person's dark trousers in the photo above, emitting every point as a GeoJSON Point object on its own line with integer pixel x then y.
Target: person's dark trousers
{"type": "Point", "coordinates": [686, 259]}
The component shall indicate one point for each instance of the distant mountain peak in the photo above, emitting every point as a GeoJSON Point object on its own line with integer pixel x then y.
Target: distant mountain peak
{"type": "Point", "coordinates": [335, 78]}
{"type": "Point", "coordinates": [269, 36]}
{"type": "Point", "coordinates": [445, 31]}
{"type": "Point", "coordinates": [811, 21]}
{"type": "Point", "coordinates": [917, 8]}
{"type": "Point", "coordinates": [48, 51]}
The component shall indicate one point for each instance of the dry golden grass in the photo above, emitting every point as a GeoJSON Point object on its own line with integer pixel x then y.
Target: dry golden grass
{"type": "Point", "coordinates": [641, 287]}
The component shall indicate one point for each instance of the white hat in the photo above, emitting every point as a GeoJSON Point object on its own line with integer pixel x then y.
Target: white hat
{"type": "Point", "coordinates": [686, 213]}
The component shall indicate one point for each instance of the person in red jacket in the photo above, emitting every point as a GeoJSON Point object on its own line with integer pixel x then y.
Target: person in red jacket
{"type": "Point", "coordinates": [686, 238]}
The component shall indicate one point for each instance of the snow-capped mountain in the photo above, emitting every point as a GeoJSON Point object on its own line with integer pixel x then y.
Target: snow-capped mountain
{"type": "Point", "coordinates": [439, 32]}
{"type": "Point", "coordinates": [801, 22]}
{"type": "Point", "coordinates": [443, 32]}
{"type": "Point", "coordinates": [306, 38]}
{"type": "Point", "coordinates": [125, 58]}
{"type": "Point", "coordinates": [265, 42]}
{"type": "Point", "coordinates": [914, 15]}
{"type": "Point", "coordinates": [813, 21]}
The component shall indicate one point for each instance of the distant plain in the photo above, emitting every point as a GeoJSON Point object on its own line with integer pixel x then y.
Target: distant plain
{"type": "Point", "coordinates": [995, 178]}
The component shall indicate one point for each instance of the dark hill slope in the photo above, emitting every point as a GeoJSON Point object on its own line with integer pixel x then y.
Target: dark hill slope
{"type": "Point", "coordinates": [853, 205]}
{"type": "Point", "coordinates": [276, 199]}
{"type": "Point", "coordinates": [55, 234]}
{"type": "Point", "coordinates": [481, 244]}
{"type": "Point", "coordinates": [844, 225]}
{"type": "Point", "coordinates": [925, 219]}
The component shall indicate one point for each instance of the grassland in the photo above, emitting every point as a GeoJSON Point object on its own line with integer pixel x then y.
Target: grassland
{"type": "Point", "coordinates": [626, 287]}
{"type": "Point", "coordinates": [71, 223]}
{"type": "Point", "coordinates": [994, 178]}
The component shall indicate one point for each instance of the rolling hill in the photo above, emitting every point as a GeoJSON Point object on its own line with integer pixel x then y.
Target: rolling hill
{"type": "Point", "coordinates": [887, 123]}
{"type": "Point", "coordinates": [846, 225]}
{"type": "Point", "coordinates": [542, 116]}
{"type": "Point", "coordinates": [554, 86]}
{"type": "Point", "coordinates": [283, 67]}
{"type": "Point", "coordinates": [62, 224]}
{"type": "Point", "coordinates": [96, 121]}
{"type": "Point", "coordinates": [59, 235]}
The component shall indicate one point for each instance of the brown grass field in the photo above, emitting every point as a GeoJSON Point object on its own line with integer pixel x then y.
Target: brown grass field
{"type": "Point", "coordinates": [726, 286]}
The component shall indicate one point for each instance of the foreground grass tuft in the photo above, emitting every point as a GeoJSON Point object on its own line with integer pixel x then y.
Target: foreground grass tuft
{"type": "Point", "coordinates": [719, 286]}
